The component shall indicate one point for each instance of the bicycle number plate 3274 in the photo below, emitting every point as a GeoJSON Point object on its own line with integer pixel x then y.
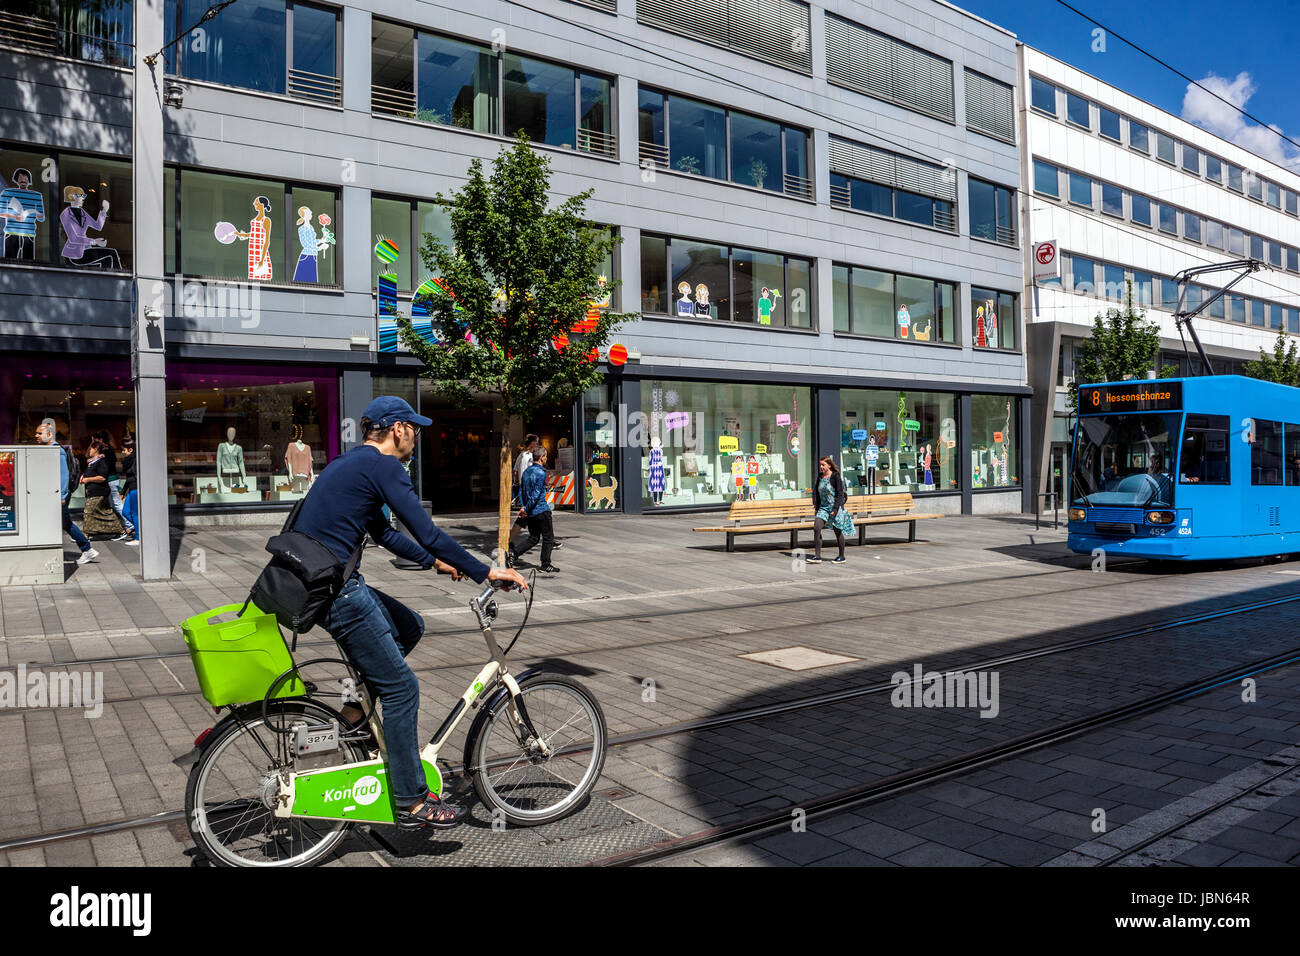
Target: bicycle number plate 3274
{"type": "Point", "coordinates": [311, 739]}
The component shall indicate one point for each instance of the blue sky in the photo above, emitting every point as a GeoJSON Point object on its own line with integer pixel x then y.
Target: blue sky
{"type": "Point", "coordinates": [1198, 37]}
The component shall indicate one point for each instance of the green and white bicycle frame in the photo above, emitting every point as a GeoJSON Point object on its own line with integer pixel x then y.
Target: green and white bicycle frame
{"type": "Point", "coordinates": [359, 792]}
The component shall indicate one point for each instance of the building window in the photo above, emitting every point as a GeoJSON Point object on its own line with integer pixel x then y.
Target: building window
{"type": "Point", "coordinates": [1042, 95]}
{"type": "Point", "coordinates": [406, 222]}
{"type": "Point", "coordinates": [1293, 320]}
{"type": "Point", "coordinates": [1077, 110]}
{"type": "Point", "coordinates": [993, 442]}
{"type": "Point", "coordinates": [1142, 288]}
{"type": "Point", "coordinates": [1255, 187]}
{"type": "Point", "coordinates": [1214, 234]}
{"type": "Point", "coordinates": [1274, 196]}
{"type": "Point", "coordinates": [1256, 247]}
{"type": "Point", "coordinates": [438, 79]}
{"type": "Point", "coordinates": [1217, 308]}
{"type": "Point", "coordinates": [709, 434]}
{"type": "Point", "coordinates": [1108, 123]}
{"type": "Point", "coordinates": [1234, 177]}
{"type": "Point", "coordinates": [1046, 179]}
{"type": "Point", "coordinates": [263, 45]}
{"type": "Point", "coordinates": [96, 32]}
{"type": "Point", "coordinates": [1112, 200]}
{"type": "Point", "coordinates": [690, 279]}
{"type": "Point", "coordinates": [1191, 160]}
{"type": "Point", "coordinates": [1213, 169]}
{"type": "Point", "coordinates": [1080, 190]}
{"type": "Point", "coordinates": [880, 66]}
{"type": "Point", "coordinates": [1168, 219]}
{"type": "Point", "coordinates": [1275, 254]}
{"type": "Point", "coordinates": [1291, 201]}
{"type": "Point", "coordinates": [992, 212]}
{"type": "Point", "coordinates": [889, 184]}
{"type": "Point", "coordinates": [1164, 148]}
{"type": "Point", "coordinates": [990, 107]}
{"type": "Point", "coordinates": [1258, 316]}
{"type": "Point", "coordinates": [885, 305]}
{"type": "Point", "coordinates": [1113, 279]}
{"type": "Point", "coordinates": [1083, 275]}
{"type": "Point", "coordinates": [1236, 241]}
{"type": "Point", "coordinates": [260, 230]}
{"type": "Point", "coordinates": [80, 216]}
{"type": "Point", "coordinates": [1238, 309]}
{"type": "Point", "coordinates": [692, 137]}
{"type": "Point", "coordinates": [905, 441]}
{"type": "Point", "coordinates": [776, 30]}
{"type": "Point", "coordinates": [993, 319]}
{"type": "Point", "coordinates": [1138, 138]}
{"type": "Point", "coordinates": [1275, 316]}
{"type": "Point", "coordinates": [1293, 260]}
{"type": "Point", "coordinates": [1168, 295]}
{"type": "Point", "coordinates": [1191, 227]}
{"type": "Point", "coordinates": [1141, 209]}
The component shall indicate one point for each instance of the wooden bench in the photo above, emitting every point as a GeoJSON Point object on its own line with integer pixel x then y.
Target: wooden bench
{"type": "Point", "coordinates": [792, 515]}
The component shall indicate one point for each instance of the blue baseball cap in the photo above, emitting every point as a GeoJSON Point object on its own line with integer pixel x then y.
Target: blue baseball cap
{"type": "Point", "coordinates": [387, 409]}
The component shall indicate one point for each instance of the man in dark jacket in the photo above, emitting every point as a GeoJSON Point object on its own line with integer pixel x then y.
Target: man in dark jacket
{"type": "Point", "coordinates": [536, 511]}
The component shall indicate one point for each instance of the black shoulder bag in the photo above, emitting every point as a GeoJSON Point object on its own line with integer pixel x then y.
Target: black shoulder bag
{"type": "Point", "coordinates": [302, 579]}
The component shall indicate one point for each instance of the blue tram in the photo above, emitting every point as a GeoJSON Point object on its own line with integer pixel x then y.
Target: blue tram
{"type": "Point", "coordinates": [1186, 469]}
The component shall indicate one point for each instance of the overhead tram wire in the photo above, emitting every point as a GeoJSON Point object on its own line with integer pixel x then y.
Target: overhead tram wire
{"type": "Point", "coordinates": [1175, 70]}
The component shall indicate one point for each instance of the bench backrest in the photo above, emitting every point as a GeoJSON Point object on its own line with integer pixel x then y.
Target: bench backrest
{"type": "Point", "coordinates": [781, 509]}
{"type": "Point", "coordinates": [877, 504]}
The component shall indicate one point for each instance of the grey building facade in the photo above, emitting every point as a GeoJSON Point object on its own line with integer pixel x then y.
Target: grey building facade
{"type": "Point", "coordinates": [817, 205]}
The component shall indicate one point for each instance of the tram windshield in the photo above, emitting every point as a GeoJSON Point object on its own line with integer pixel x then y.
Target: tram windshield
{"type": "Point", "coordinates": [1125, 460]}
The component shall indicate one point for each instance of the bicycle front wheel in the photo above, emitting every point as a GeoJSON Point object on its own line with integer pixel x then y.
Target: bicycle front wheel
{"type": "Point", "coordinates": [230, 797]}
{"type": "Point", "coordinates": [526, 782]}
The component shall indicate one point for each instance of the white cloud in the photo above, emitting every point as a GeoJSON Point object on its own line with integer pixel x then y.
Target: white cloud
{"type": "Point", "coordinates": [1222, 120]}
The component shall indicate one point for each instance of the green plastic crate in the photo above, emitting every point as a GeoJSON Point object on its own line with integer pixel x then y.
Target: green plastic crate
{"type": "Point", "coordinates": [237, 661]}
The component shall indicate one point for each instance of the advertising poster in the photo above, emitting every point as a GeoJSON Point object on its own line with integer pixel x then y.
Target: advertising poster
{"type": "Point", "coordinates": [8, 495]}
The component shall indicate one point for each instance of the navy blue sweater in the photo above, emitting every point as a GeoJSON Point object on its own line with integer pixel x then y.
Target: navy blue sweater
{"type": "Point", "coordinates": [345, 504]}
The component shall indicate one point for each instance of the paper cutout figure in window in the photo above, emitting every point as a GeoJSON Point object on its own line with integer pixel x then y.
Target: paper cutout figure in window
{"type": "Point", "coordinates": [259, 241]}
{"type": "Point", "coordinates": [751, 477]}
{"type": "Point", "coordinates": [80, 249]}
{"type": "Point", "coordinates": [657, 482]}
{"type": "Point", "coordinates": [767, 302]}
{"type": "Point", "coordinates": [991, 323]}
{"type": "Point", "coordinates": [738, 475]}
{"type": "Point", "coordinates": [702, 307]}
{"type": "Point", "coordinates": [981, 338]}
{"type": "Point", "coordinates": [22, 208]}
{"type": "Point", "coordinates": [904, 321]}
{"type": "Point", "coordinates": [685, 307]}
{"type": "Point", "coordinates": [871, 455]}
{"type": "Point", "coordinates": [312, 246]}
{"type": "Point", "coordinates": [927, 461]}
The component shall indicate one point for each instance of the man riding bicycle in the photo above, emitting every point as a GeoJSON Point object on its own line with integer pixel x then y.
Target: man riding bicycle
{"type": "Point", "coordinates": [375, 631]}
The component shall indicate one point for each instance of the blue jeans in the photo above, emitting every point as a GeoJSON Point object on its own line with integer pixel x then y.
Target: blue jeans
{"type": "Point", "coordinates": [115, 499]}
{"type": "Point", "coordinates": [376, 633]}
{"type": "Point", "coordinates": [131, 510]}
{"type": "Point", "coordinates": [80, 539]}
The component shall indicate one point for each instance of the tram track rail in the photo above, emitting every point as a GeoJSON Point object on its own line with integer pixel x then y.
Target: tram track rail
{"type": "Point", "coordinates": [900, 782]}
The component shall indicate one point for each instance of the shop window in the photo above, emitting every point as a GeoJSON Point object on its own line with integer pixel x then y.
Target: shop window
{"type": "Point", "coordinates": [903, 441]}
{"type": "Point", "coordinates": [717, 443]}
{"type": "Point", "coordinates": [700, 277]}
{"type": "Point", "coordinates": [241, 435]}
{"type": "Point", "coordinates": [993, 317]}
{"type": "Point", "coordinates": [654, 274]}
{"type": "Point", "coordinates": [994, 445]}
{"type": "Point", "coordinates": [600, 464]}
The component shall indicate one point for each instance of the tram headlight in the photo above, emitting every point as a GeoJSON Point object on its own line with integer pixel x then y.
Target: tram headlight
{"type": "Point", "coordinates": [1160, 517]}
{"type": "Point", "coordinates": [1078, 514]}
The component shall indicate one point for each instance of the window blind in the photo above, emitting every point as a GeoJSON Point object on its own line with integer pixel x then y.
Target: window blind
{"type": "Point", "coordinates": [990, 107]}
{"type": "Point", "coordinates": [889, 69]}
{"type": "Point", "coordinates": [891, 169]}
{"type": "Point", "coordinates": [772, 30]}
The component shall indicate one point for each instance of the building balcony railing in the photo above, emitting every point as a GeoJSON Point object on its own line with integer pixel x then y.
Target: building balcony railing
{"type": "Point", "coordinates": [42, 37]}
{"type": "Point", "coordinates": [391, 102]}
{"type": "Point", "coordinates": [840, 195]}
{"type": "Point", "coordinates": [1005, 235]}
{"type": "Point", "coordinates": [652, 154]}
{"type": "Point", "coordinates": [798, 186]}
{"type": "Point", "coordinates": [944, 220]}
{"type": "Point", "coordinates": [595, 141]}
{"type": "Point", "coordinates": [317, 87]}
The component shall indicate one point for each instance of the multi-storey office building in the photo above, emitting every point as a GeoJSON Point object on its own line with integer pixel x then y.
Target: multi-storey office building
{"type": "Point", "coordinates": [816, 204]}
{"type": "Point", "coordinates": [1133, 194]}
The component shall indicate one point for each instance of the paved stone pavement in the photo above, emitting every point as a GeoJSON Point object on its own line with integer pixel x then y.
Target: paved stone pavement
{"type": "Point", "coordinates": [653, 618]}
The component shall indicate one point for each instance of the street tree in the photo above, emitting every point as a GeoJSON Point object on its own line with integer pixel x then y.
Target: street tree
{"type": "Point", "coordinates": [1124, 344]}
{"type": "Point", "coordinates": [1283, 366]}
{"type": "Point", "coordinates": [513, 307]}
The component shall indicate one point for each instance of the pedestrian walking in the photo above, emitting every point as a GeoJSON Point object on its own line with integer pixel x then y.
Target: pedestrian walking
{"type": "Point", "coordinates": [98, 516]}
{"type": "Point", "coordinates": [536, 511]}
{"type": "Point", "coordinates": [131, 504]}
{"type": "Point", "coordinates": [115, 495]}
{"type": "Point", "coordinates": [831, 498]}
{"type": "Point", "coordinates": [68, 470]}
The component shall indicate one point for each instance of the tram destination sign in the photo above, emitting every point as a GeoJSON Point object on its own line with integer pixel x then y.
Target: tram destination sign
{"type": "Point", "coordinates": [1147, 395]}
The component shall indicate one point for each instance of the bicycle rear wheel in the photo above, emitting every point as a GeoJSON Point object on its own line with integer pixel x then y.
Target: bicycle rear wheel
{"type": "Point", "coordinates": [230, 797]}
{"type": "Point", "coordinates": [513, 777]}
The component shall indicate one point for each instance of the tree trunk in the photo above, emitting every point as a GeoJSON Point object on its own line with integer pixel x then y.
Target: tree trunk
{"type": "Point", "coordinates": [505, 514]}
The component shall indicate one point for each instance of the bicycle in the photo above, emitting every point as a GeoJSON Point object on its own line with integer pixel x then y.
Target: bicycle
{"type": "Point", "coordinates": [280, 782]}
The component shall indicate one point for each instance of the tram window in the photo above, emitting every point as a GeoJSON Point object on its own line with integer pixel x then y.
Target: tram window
{"type": "Point", "coordinates": [1205, 451]}
{"type": "Point", "coordinates": [1266, 453]}
{"type": "Point", "coordinates": [1292, 454]}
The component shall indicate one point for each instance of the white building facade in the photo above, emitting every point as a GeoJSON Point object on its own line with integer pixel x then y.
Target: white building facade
{"type": "Point", "coordinates": [1134, 194]}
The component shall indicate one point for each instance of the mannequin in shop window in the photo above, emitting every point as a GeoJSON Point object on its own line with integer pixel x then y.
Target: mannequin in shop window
{"type": "Point", "coordinates": [230, 463]}
{"type": "Point", "coordinates": [298, 462]}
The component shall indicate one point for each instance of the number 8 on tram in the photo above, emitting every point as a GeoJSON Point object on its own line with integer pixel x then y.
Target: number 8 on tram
{"type": "Point", "coordinates": [1186, 469]}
